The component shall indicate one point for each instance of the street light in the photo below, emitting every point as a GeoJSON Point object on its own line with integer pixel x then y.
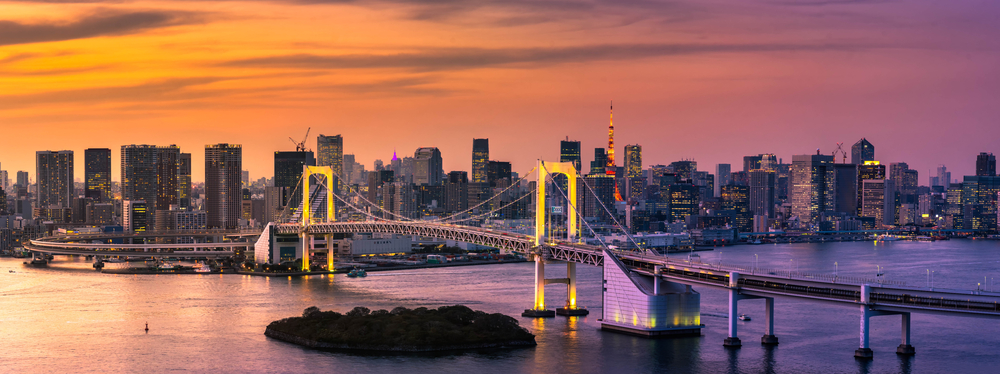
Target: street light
{"type": "Point", "coordinates": [836, 269]}
{"type": "Point", "coordinates": [755, 263]}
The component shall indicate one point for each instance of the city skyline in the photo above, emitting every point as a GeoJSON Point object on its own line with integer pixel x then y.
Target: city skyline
{"type": "Point", "coordinates": [809, 75]}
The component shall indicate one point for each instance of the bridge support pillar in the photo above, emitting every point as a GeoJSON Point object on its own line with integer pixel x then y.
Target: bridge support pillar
{"type": "Point", "coordinates": [733, 341]}
{"type": "Point", "coordinates": [306, 240]}
{"type": "Point", "coordinates": [538, 310]}
{"type": "Point", "coordinates": [571, 309]}
{"type": "Point", "coordinates": [905, 348]}
{"type": "Point", "coordinates": [769, 338]}
{"type": "Point", "coordinates": [329, 253]}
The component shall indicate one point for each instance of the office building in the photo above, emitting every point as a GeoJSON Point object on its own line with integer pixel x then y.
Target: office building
{"type": "Point", "coordinates": [223, 179]}
{"type": "Point", "coordinates": [428, 168]}
{"type": "Point", "coordinates": [569, 151]}
{"type": "Point", "coordinates": [762, 192]}
{"type": "Point", "coordinates": [722, 177]}
{"type": "Point", "coordinates": [22, 179]}
{"type": "Point", "coordinates": [97, 174]}
{"type": "Point", "coordinates": [498, 171]}
{"type": "Point", "coordinates": [288, 169]}
{"type": "Point", "coordinates": [862, 151]}
{"type": "Point", "coordinates": [986, 165]}
{"type": "Point", "coordinates": [684, 168]}
{"type": "Point", "coordinates": [600, 163]}
{"type": "Point", "coordinates": [167, 161]}
{"type": "Point", "coordinates": [812, 180]}
{"type": "Point", "coordinates": [735, 201]}
{"type": "Point", "coordinates": [456, 192]}
{"type": "Point", "coordinates": [135, 216]}
{"type": "Point", "coordinates": [480, 159]}
{"type": "Point", "coordinates": [184, 181]}
{"type": "Point", "coordinates": [846, 189]}
{"type": "Point", "coordinates": [878, 201]}
{"type": "Point", "coordinates": [330, 152]}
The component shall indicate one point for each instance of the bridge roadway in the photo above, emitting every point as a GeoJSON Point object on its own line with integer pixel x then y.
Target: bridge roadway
{"type": "Point", "coordinates": [885, 295]}
{"type": "Point", "coordinates": [77, 245]}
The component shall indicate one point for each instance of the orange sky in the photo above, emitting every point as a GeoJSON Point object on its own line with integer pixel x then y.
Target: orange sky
{"type": "Point", "coordinates": [704, 80]}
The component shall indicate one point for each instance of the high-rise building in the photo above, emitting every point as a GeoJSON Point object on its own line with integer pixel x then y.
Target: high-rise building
{"type": "Point", "coordinates": [600, 163]}
{"type": "Point", "coordinates": [633, 161]}
{"type": "Point", "coordinates": [722, 177]}
{"type": "Point", "coordinates": [846, 189]}
{"type": "Point", "coordinates": [288, 169]}
{"type": "Point", "coordinates": [97, 174]}
{"type": "Point", "coordinates": [684, 169]}
{"type": "Point", "coordinates": [986, 165]}
{"type": "Point", "coordinates": [184, 181]}
{"type": "Point", "coordinates": [878, 200]}
{"type": "Point", "coordinates": [684, 201]}
{"type": "Point", "coordinates": [601, 202]}
{"type": "Point", "coordinates": [456, 192]}
{"type": "Point", "coordinates": [167, 160]}
{"type": "Point", "coordinates": [862, 151]}
{"type": "Point", "coordinates": [428, 168]}
{"type": "Point", "coordinates": [480, 159]}
{"type": "Point", "coordinates": [869, 170]}
{"type": "Point", "coordinates": [330, 152]}
{"type": "Point", "coordinates": [979, 202]}
{"type": "Point", "coordinates": [223, 179]}
{"type": "Point", "coordinates": [762, 192]}
{"type": "Point", "coordinates": [54, 175]}
{"type": "Point", "coordinates": [736, 200]}
{"type": "Point", "coordinates": [813, 179]}
{"type": "Point", "coordinates": [22, 179]}
{"type": "Point", "coordinates": [944, 176]}
{"type": "Point", "coordinates": [569, 151]}
{"type": "Point", "coordinates": [498, 171]}
{"type": "Point", "coordinates": [139, 176]}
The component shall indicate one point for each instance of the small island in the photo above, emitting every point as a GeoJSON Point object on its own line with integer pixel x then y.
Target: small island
{"type": "Point", "coordinates": [447, 328]}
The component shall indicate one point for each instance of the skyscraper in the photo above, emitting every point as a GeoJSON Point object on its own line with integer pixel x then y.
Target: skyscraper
{"type": "Point", "coordinates": [869, 170]}
{"type": "Point", "coordinates": [498, 171]}
{"type": "Point", "coordinates": [812, 182]}
{"type": "Point", "coordinates": [762, 192]}
{"type": "Point", "coordinates": [569, 151]}
{"type": "Point", "coordinates": [54, 175]}
{"type": "Point", "coordinates": [480, 159]}
{"type": "Point", "coordinates": [685, 168]}
{"type": "Point", "coordinates": [330, 152]}
{"type": "Point", "coordinates": [223, 177]}
{"type": "Point", "coordinates": [862, 151]}
{"type": "Point", "coordinates": [22, 179]}
{"type": "Point", "coordinates": [736, 200]}
{"type": "Point", "coordinates": [633, 161]}
{"type": "Point", "coordinates": [456, 192]}
{"type": "Point", "coordinates": [944, 176]}
{"type": "Point", "coordinates": [184, 181]}
{"type": "Point", "coordinates": [722, 177]}
{"type": "Point", "coordinates": [599, 165]}
{"type": "Point", "coordinates": [97, 174]}
{"type": "Point", "coordinates": [877, 201]}
{"type": "Point", "coordinates": [139, 176]}
{"type": "Point", "coordinates": [288, 169]}
{"type": "Point", "coordinates": [428, 168]}
{"type": "Point", "coordinates": [846, 189]}
{"type": "Point", "coordinates": [986, 165]}
{"type": "Point", "coordinates": [167, 160]}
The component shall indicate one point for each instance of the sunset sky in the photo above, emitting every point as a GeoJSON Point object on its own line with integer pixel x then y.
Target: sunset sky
{"type": "Point", "coordinates": [705, 80]}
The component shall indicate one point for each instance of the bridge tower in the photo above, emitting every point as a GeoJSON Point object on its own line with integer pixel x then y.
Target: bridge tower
{"type": "Point", "coordinates": [331, 214]}
{"type": "Point", "coordinates": [545, 170]}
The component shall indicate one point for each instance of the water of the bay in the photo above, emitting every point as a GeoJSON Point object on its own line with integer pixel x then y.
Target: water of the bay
{"type": "Point", "coordinates": [69, 318]}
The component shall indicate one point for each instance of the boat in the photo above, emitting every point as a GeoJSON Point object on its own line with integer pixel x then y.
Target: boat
{"type": "Point", "coordinates": [744, 317]}
{"type": "Point", "coordinates": [357, 273]}
{"type": "Point", "coordinates": [887, 238]}
{"type": "Point", "coordinates": [203, 268]}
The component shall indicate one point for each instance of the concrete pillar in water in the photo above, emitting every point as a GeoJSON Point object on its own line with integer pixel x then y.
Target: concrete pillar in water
{"type": "Point", "coordinates": [571, 308]}
{"type": "Point", "coordinates": [538, 310]}
{"type": "Point", "coordinates": [905, 348]}
{"type": "Point", "coordinates": [864, 352]}
{"type": "Point", "coordinates": [769, 338]}
{"type": "Point", "coordinates": [733, 340]}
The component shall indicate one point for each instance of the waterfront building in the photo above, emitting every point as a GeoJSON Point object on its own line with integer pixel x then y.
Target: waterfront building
{"type": "Point", "coordinates": [736, 200]}
{"type": "Point", "coordinates": [979, 202]}
{"type": "Point", "coordinates": [846, 189]}
{"type": "Point", "coordinates": [135, 216]}
{"type": "Point", "coordinates": [878, 201]}
{"type": "Point", "coordinates": [869, 170]}
{"type": "Point", "coordinates": [97, 174]}
{"type": "Point", "coordinates": [100, 214]}
{"type": "Point", "coordinates": [428, 168]}
{"type": "Point", "coordinates": [812, 183]}
{"type": "Point", "coordinates": [480, 159]}
{"type": "Point", "coordinates": [167, 160]}
{"type": "Point", "coordinates": [54, 175]}
{"type": "Point", "coordinates": [862, 151]}
{"type": "Point", "coordinates": [223, 172]}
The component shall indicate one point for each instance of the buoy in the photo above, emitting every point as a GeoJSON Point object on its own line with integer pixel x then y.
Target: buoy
{"type": "Point", "coordinates": [147, 327]}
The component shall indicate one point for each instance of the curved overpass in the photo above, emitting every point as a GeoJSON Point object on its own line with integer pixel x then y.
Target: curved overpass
{"type": "Point", "coordinates": [69, 246]}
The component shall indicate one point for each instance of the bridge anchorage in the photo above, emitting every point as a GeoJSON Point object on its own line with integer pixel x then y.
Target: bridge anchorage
{"type": "Point", "coordinates": [644, 293]}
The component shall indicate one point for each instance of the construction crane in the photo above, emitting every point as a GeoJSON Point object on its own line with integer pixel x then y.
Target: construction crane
{"type": "Point", "coordinates": [301, 146]}
{"type": "Point", "coordinates": [840, 148]}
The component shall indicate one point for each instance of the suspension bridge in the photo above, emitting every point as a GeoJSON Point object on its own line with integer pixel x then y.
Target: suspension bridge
{"type": "Point", "coordinates": [644, 292]}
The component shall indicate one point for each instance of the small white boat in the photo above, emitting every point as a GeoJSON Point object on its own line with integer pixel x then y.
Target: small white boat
{"type": "Point", "coordinates": [744, 317]}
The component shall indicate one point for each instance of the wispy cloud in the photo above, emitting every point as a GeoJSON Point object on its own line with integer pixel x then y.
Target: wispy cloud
{"type": "Point", "coordinates": [103, 22]}
{"type": "Point", "coordinates": [472, 58]}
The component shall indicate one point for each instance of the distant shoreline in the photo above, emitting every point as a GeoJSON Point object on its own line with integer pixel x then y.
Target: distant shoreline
{"type": "Point", "coordinates": [382, 268]}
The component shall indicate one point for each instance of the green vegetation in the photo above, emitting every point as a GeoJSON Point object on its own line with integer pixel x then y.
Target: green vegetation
{"type": "Point", "coordinates": [402, 329]}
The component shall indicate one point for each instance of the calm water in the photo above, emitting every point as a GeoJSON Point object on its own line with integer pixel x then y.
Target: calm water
{"type": "Point", "coordinates": [69, 318]}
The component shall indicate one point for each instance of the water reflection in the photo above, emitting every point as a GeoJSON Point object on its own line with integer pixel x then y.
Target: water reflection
{"type": "Point", "coordinates": [767, 360]}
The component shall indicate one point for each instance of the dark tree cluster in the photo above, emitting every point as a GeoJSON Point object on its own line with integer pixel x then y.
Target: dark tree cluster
{"type": "Point", "coordinates": [447, 326]}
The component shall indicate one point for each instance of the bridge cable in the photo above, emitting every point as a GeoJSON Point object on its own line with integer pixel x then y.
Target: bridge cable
{"type": "Point", "coordinates": [516, 183]}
